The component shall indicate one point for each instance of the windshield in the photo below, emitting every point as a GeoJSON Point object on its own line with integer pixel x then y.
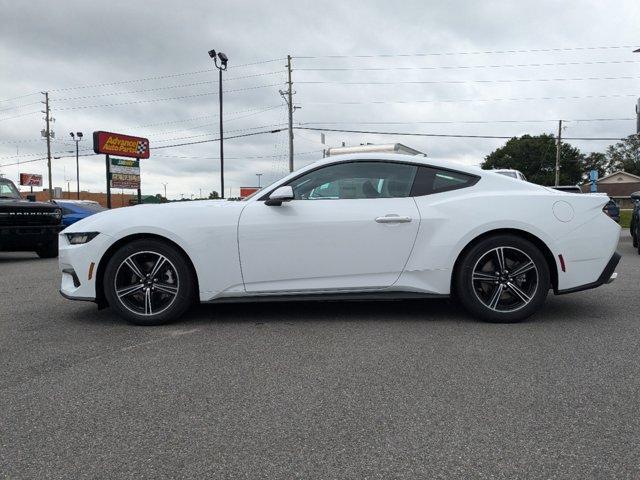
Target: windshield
{"type": "Point", "coordinates": [8, 189]}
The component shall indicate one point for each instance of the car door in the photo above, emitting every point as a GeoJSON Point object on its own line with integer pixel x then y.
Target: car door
{"type": "Point", "coordinates": [350, 226]}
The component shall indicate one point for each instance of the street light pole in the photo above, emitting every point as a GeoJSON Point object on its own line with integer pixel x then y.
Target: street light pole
{"type": "Point", "coordinates": [258, 175]}
{"type": "Point", "coordinates": [76, 138]}
{"type": "Point", "coordinates": [223, 66]}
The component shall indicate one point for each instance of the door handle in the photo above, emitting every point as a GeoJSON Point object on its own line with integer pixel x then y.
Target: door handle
{"type": "Point", "coordinates": [392, 218]}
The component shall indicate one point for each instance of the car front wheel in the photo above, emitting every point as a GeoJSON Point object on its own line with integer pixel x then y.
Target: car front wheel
{"type": "Point", "coordinates": [149, 282]}
{"type": "Point", "coordinates": [503, 278]}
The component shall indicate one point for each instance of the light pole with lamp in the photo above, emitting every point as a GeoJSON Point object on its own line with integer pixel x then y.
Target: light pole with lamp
{"type": "Point", "coordinates": [223, 66]}
{"type": "Point", "coordinates": [77, 137]}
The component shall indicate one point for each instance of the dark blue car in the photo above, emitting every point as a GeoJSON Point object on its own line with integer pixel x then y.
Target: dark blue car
{"type": "Point", "coordinates": [74, 210]}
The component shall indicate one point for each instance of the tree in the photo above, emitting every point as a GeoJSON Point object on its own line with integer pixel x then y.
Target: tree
{"type": "Point", "coordinates": [214, 195]}
{"type": "Point", "coordinates": [595, 161]}
{"type": "Point", "coordinates": [625, 155]}
{"type": "Point", "coordinates": [535, 156]}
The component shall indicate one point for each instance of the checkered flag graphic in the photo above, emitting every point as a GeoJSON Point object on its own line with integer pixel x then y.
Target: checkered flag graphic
{"type": "Point", "coordinates": [142, 147]}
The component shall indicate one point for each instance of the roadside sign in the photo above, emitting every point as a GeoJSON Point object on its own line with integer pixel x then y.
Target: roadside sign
{"type": "Point", "coordinates": [111, 143]}
{"type": "Point", "coordinates": [30, 180]}
{"type": "Point", "coordinates": [246, 191]}
{"type": "Point", "coordinates": [124, 165]}
{"type": "Point", "coordinates": [123, 180]}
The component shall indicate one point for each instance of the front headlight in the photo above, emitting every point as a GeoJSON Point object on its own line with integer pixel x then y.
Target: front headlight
{"type": "Point", "coordinates": [80, 238]}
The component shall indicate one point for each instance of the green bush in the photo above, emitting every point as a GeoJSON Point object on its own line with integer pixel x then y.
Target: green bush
{"type": "Point", "coordinates": [625, 218]}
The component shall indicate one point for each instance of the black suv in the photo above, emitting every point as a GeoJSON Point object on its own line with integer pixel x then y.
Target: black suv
{"type": "Point", "coordinates": [27, 226]}
{"type": "Point", "coordinates": [634, 227]}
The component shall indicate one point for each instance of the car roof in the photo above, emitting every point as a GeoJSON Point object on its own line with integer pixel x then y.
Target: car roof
{"type": "Point", "coordinates": [396, 157]}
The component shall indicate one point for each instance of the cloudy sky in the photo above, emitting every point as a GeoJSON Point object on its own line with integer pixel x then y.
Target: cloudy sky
{"type": "Point", "coordinates": [456, 67]}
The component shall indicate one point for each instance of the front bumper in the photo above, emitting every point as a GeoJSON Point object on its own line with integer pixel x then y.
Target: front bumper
{"type": "Point", "coordinates": [79, 266]}
{"type": "Point", "coordinates": [608, 275]}
{"type": "Point", "coordinates": [27, 238]}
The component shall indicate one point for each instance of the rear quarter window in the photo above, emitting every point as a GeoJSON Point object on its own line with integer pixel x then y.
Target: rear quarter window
{"type": "Point", "coordinates": [430, 180]}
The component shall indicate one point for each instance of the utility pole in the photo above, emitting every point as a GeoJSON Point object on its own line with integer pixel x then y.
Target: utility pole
{"type": "Point", "coordinates": [638, 117]}
{"type": "Point", "coordinates": [48, 137]}
{"type": "Point", "coordinates": [290, 93]}
{"type": "Point", "coordinates": [288, 97]}
{"type": "Point", "coordinates": [558, 147]}
{"type": "Point", "coordinates": [165, 190]}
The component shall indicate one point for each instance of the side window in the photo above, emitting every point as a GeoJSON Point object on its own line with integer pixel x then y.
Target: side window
{"type": "Point", "coordinates": [356, 180]}
{"type": "Point", "coordinates": [431, 180]}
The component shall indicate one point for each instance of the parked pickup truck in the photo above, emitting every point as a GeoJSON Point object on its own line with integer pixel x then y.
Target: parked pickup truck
{"type": "Point", "coordinates": [27, 226]}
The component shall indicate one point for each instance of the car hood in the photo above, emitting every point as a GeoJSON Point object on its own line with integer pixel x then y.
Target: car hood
{"type": "Point", "coordinates": [166, 216]}
{"type": "Point", "coordinates": [9, 203]}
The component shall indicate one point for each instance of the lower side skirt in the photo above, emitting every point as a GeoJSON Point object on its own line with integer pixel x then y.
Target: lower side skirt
{"type": "Point", "coordinates": [328, 297]}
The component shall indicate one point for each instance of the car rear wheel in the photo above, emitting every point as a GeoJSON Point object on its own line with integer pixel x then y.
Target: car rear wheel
{"type": "Point", "coordinates": [149, 282]}
{"type": "Point", "coordinates": [503, 278]}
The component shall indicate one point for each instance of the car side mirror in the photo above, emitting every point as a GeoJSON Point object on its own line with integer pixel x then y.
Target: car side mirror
{"type": "Point", "coordinates": [635, 196]}
{"type": "Point", "coordinates": [279, 195]}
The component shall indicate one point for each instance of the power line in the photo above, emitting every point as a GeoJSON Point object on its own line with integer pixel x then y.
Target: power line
{"type": "Point", "coordinates": [19, 97]}
{"type": "Point", "coordinates": [456, 67]}
{"type": "Point", "coordinates": [18, 106]}
{"type": "Point", "coordinates": [430, 82]}
{"type": "Point", "coordinates": [389, 102]}
{"type": "Point", "coordinates": [257, 110]}
{"type": "Point", "coordinates": [84, 97]}
{"type": "Point", "coordinates": [154, 148]}
{"type": "Point", "coordinates": [442, 135]}
{"type": "Point", "coordinates": [162, 77]}
{"type": "Point", "coordinates": [18, 116]}
{"type": "Point", "coordinates": [154, 100]}
{"type": "Point", "coordinates": [209, 134]}
{"type": "Point", "coordinates": [485, 52]}
{"type": "Point", "coordinates": [217, 139]}
{"type": "Point", "coordinates": [251, 157]}
{"type": "Point", "coordinates": [447, 122]}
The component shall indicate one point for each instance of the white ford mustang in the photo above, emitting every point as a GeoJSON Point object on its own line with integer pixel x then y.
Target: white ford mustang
{"type": "Point", "coordinates": [352, 226]}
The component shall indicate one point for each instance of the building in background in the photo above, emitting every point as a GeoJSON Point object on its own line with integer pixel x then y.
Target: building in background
{"type": "Point", "coordinates": [117, 199]}
{"type": "Point", "coordinates": [618, 185]}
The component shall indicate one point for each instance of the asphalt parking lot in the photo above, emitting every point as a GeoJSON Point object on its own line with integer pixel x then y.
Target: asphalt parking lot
{"type": "Point", "coordinates": [411, 389]}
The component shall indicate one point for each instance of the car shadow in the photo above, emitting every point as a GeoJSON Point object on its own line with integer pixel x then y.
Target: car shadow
{"type": "Point", "coordinates": [557, 309]}
{"type": "Point", "coordinates": [17, 257]}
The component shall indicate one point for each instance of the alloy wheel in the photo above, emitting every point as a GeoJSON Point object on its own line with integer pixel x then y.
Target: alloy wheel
{"type": "Point", "coordinates": [146, 283]}
{"type": "Point", "coordinates": [505, 279]}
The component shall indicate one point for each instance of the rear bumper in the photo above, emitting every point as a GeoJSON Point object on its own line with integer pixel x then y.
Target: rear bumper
{"type": "Point", "coordinates": [608, 275]}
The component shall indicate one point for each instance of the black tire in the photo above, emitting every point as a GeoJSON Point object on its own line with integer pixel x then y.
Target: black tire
{"type": "Point", "coordinates": [171, 290]}
{"type": "Point", "coordinates": [49, 251]}
{"type": "Point", "coordinates": [502, 302]}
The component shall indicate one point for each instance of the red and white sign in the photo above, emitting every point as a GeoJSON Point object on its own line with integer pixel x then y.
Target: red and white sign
{"type": "Point", "coordinates": [246, 191]}
{"type": "Point", "coordinates": [123, 145]}
{"type": "Point", "coordinates": [30, 180]}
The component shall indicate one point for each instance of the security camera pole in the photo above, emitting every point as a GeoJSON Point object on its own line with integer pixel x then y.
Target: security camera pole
{"type": "Point", "coordinates": [223, 66]}
{"type": "Point", "coordinates": [76, 138]}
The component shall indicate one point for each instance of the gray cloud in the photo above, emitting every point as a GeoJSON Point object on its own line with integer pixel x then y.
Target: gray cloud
{"type": "Point", "coordinates": [58, 45]}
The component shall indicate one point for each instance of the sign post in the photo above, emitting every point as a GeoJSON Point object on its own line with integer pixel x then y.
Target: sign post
{"type": "Point", "coordinates": [593, 176]}
{"type": "Point", "coordinates": [121, 173]}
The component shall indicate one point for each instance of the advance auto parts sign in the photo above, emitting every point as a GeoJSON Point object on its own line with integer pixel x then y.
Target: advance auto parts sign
{"type": "Point", "coordinates": [117, 144]}
{"type": "Point", "coordinates": [125, 173]}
